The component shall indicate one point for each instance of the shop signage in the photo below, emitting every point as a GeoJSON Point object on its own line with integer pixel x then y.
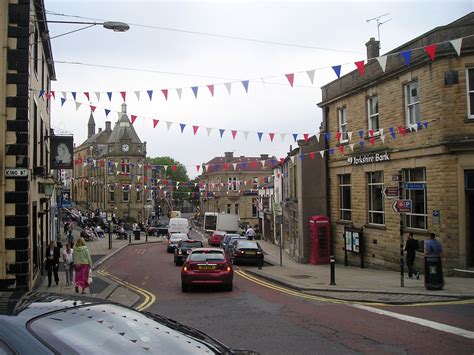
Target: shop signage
{"type": "Point", "coordinates": [368, 158]}
{"type": "Point", "coordinates": [401, 206]}
{"type": "Point", "coordinates": [16, 172]}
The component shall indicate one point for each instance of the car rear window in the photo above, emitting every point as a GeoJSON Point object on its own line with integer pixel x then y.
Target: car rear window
{"type": "Point", "coordinates": [247, 244]}
{"type": "Point", "coordinates": [177, 237]}
{"type": "Point", "coordinates": [213, 255]}
{"type": "Point", "coordinates": [191, 244]}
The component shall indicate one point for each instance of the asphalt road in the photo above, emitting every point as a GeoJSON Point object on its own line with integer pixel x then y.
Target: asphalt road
{"type": "Point", "coordinates": [272, 321]}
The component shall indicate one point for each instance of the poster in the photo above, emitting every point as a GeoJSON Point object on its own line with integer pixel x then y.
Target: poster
{"type": "Point", "coordinates": [355, 242]}
{"type": "Point", "coordinates": [348, 239]}
{"type": "Point", "coordinates": [61, 152]}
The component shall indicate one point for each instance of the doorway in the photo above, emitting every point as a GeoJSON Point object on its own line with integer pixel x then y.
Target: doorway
{"type": "Point", "coordinates": [470, 228]}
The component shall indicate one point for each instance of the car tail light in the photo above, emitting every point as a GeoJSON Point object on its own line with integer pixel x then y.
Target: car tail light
{"type": "Point", "coordinates": [228, 268]}
{"type": "Point", "coordinates": [185, 267]}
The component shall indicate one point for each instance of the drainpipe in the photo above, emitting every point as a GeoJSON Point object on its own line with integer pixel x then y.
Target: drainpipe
{"type": "Point", "coordinates": [328, 181]}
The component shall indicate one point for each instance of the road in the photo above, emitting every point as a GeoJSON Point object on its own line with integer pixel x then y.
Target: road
{"type": "Point", "coordinates": [273, 320]}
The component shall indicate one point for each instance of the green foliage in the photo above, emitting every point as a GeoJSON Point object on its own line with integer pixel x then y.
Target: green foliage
{"type": "Point", "coordinates": [179, 175]}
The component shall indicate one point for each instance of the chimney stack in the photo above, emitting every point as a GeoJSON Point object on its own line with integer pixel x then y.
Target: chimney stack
{"type": "Point", "coordinates": [108, 126]}
{"type": "Point", "coordinates": [373, 48]}
{"type": "Point", "coordinates": [228, 156]}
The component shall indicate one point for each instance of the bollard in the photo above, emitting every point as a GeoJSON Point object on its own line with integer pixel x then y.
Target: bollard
{"type": "Point", "coordinates": [146, 237]}
{"type": "Point", "coordinates": [333, 270]}
{"type": "Point", "coordinates": [129, 238]}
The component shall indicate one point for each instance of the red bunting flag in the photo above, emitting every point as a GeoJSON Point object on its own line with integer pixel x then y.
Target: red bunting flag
{"type": "Point", "coordinates": [402, 130]}
{"type": "Point", "coordinates": [272, 135]}
{"type": "Point", "coordinates": [198, 167]}
{"type": "Point", "coordinates": [155, 122]}
{"type": "Point", "coordinates": [371, 132]}
{"type": "Point", "coordinates": [165, 92]}
{"type": "Point", "coordinates": [87, 95]}
{"type": "Point", "coordinates": [341, 149]}
{"type": "Point", "coordinates": [164, 182]}
{"type": "Point", "coordinates": [173, 168]}
{"type": "Point", "coordinates": [124, 94]}
{"type": "Point", "coordinates": [54, 95]}
{"type": "Point", "coordinates": [339, 135]}
{"type": "Point", "coordinates": [195, 129]}
{"type": "Point", "coordinates": [211, 89]}
{"type": "Point", "coordinates": [134, 117]}
{"type": "Point", "coordinates": [311, 155]}
{"type": "Point", "coordinates": [101, 163]}
{"type": "Point", "coordinates": [305, 136]}
{"type": "Point", "coordinates": [372, 140]}
{"type": "Point", "coordinates": [360, 66]}
{"type": "Point", "coordinates": [226, 166]}
{"type": "Point", "coordinates": [234, 133]}
{"type": "Point", "coordinates": [431, 50]}
{"type": "Point", "coordinates": [92, 108]}
{"type": "Point", "coordinates": [282, 160]}
{"type": "Point", "coordinates": [253, 164]}
{"type": "Point", "coordinates": [290, 78]}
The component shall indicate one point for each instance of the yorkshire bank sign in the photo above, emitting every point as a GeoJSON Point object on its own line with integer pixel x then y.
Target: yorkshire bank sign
{"type": "Point", "coordinates": [368, 158]}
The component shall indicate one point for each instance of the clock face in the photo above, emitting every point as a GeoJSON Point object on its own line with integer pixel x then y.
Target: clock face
{"type": "Point", "coordinates": [125, 147]}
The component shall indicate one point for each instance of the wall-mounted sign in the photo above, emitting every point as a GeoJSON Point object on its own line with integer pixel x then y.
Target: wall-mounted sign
{"type": "Point", "coordinates": [414, 185]}
{"type": "Point", "coordinates": [61, 152]}
{"type": "Point", "coordinates": [16, 172]}
{"type": "Point", "coordinates": [401, 206]}
{"type": "Point", "coordinates": [390, 191]}
{"type": "Point", "coordinates": [436, 216]}
{"type": "Point", "coordinates": [368, 158]}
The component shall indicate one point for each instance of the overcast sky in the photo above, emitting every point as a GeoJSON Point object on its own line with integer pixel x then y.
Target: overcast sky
{"type": "Point", "coordinates": [176, 56]}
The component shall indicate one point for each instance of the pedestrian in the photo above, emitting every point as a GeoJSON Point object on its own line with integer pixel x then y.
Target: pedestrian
{"type": "Point", "coordinates": [82, 264]}
{"type": "Point", "coordinates": [66, 227]}
{"type": "Point", "coordinates": [68, 264]}
{"type": "Point", "coordinates": [410, 247]}
{"type": "Point", "coordinates": [433, 248]}
{"type": "Point", "coordinates": [433, 268]}
{"type": "Point", "coordinates": [70, 239]}
{"type": "Point", "coordinates": [250, 233]}
{"type": "Point", "coordinates": [52, 262]}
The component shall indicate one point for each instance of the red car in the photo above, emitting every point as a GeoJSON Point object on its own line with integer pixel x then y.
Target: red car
{"type": "Point", "coordinates": [216, 238]}
{"type": "Point", "coordinates": [206, 266]}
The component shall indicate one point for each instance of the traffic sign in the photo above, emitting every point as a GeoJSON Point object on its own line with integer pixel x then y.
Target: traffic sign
{"type": "Point", "coordinates": [391, 191]}
{"type": "Point", "coordinates": [401, 206]}
{"type": "Point", "coordinates": [414, 185]}
{"type": "Point", "coordinates": [16, 172]}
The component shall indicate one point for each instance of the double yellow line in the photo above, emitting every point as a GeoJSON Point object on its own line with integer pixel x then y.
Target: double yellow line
{"type": "Point", "coordinates": [148, 297]}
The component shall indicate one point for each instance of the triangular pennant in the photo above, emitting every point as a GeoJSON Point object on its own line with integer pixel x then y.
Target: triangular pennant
{"type": "Point", "coordinates": [382, 62]}
{"type": "Point", "coordinates": [282, 135]}
{"type": "Point", "coordinates": [290, 78]}
{"type": "Point", "coordinates": [457, 43]}
{"type": "Point", "coordinates": [195, 91]}
{"type": "Point", "coordinates": [322, 153]}
{"type": "Point", "coordinates": [86, 94]}
{"type": "Point", "coordinates": [406, 56]}
{"type": "Point", "coordinates": [260, 134]}
{"type": "Point", "coordinates": [234, 133]}
{"type": "Point", "coordinates": [209, 130]}
{"type": "Point", "coordinates": [361, 143]}
{"type": "Point", "coordinates": [179, 91]}
{"type": "Point", "coordinates": [301, 156]}
{"type": "Point", "coordinates": [372, 140]}
{"type": "Point", "coordinates": [292, 159]}
{"type": "Point", "coordinates": [106, 112]}
{"type": "Point", "coordinates": [72, 93]}
{"type": "Point", "coordinates": [295, 136]}
{"type": "Point", "coordinates": [349, 134]}
{"type": "Point", "coordinates": [246, 134]}
{"type": "Point", "coordinates": [124, 95]}
{"type": "Point", "coordinates": [92, 108]}
{"type": "Point", "coordinates": [173, 167]}
{"type": "Point", "coordinates": [371, 132]}
{"type": "Point", "coordinates": [431, 50]}
{"type": "Point", "coordinates": [245, 83]}
{"type": "Point", "coordinates": [331, 151]}
{"type": "Point", "coordinates": [338, 136]}
{"type": "Point", "coordinates": [381, 131]}
{"type": "Point", "coordinates": [351, 146]}
{"type": "Point", "coordinates": [328, 136]}
{"type": "Point", "coordinates": [341, 149]}
{"type": "Point", "coordinates": [63, 100]}
{"type": "Point", "coordinates": [311, 75]}
{"type": "Point", "coordinates": [97, 94]}
{"type": "Point", "coordinates": [311, 155]}
{"type": "Point", "coordinates": [195, 129]}
{"type": "Point", "coordinates": [221, 131]}
{"type": "Point", "coordinates": [155, 122]}
{"type": "Point", "coordinates": [272, 135]}
{"type": "Point", "coordinates": [78, 104]}
{"type": "Point", "coordinates": [198, 167]}
{"type": "Point", "coordinates": [109, 94]}
{"type": "Point", "coordinates": [150, 93]}
{"type": "Point", "coordinates": [263, 163]}
{"type": "Point", "coordinates": [211, 89]}
{"type": "Point", "coordinates": [64, 94]}
{"type": "Point", "coordinates": [392, 132]}
{"type": "Point", "coordinates": [317, 136]}
{"type": "Point", "coordinates": [133, 118]}
{"type": "Point", "coordinates": [165, 92]}
{"type": "Point", "coordinates": [305, 136]}
{"type": "Point", "coordinates": [282, 160]}
{"type": "Point", "coordinates": [425, 124]}
{"type": "Point", "coordinates": [165, 168]}
{"type": "Point", "coordinates": [137, 94]}
{"type": "Point", "coordinates": [234, 165]}
{"type": "Point", "coordinates": [382, 138]}
{"type": "Point", "coordinates": [361, 134]}
{"type": "Point", "coordinates": [168, 125]}
{"type": "Point", "coordinates": [182, 125]}
{"type": "Point", "coordinates": [228, 86]}
{"type": "Point", "coordinates": [337, 70]}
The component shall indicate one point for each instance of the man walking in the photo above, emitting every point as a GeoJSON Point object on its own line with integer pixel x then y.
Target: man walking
{"type": "Point", "coordinates": [433, 268]}
{"type": "Point", "coordinates": [410, 248]}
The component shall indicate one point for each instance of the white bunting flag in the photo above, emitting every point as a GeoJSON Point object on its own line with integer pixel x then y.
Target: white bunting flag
{"type": "Point", "coordinates": [317, 136]}
{"type": "Point", "coordinates": [64, 94]}
{"type": "Point", "coordinates": [168, 125]}
{"type": "Point", "coordinates": [78, 104]}
{"type": "Point", "coordinates": [138, 178]}
{"type": "Point", "coordinates": [179, 91]}
{"type": "Point", "coordinates": [165, 167]}
{"type": "Point", "coordinates": [292, 159]}
{"type": "Point", "coordinates": [234, 165]}
{"type": "Point", "coordinates": [311, 75]}
{"type": "Point", "coordinates": [228, 86]}
{"type": "Point", "coordinates": [382, 138]}
{"type": "Point", "coordinates": [322, 153]}
{"type": "Point", "coordinates": [381, 131]}
{"type": "Point", "coordinates": [116, 164]}
{"type": "Point", "coordinates": [246, 134]}
{"type": "Point", "coordinates": [349, 134]}
{"type": "Point", "coordinates": [263, 163]}
{"type": "Point", "coordinates": [84, 165]}
{"type": "Point", "coordinates": [382, 61]}
{"type": "Point", "coordinates": [457, 43]}
{"type": "Point", "coordinates": [118, 172]}
{"type": "Point", "coordinates": [282, 135]}
{"type": "Point", "coordinates": [97, 94]}
{"type": "Point", "coordinates": [209, 130]}
{"type": "Point", "coordinates": [351, 146]}
{"type": "Point", "coordinates": [138, 95]}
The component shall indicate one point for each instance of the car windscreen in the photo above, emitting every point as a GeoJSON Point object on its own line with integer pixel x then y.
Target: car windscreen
{"type": "Point", "coordinates": [112, 329]}
{"type": "Point", "coordinates": [193, 244]}
{"type": "Point", "coordinates": [247, 245]}
{"type": "Point", "coordinates": [207, 256]}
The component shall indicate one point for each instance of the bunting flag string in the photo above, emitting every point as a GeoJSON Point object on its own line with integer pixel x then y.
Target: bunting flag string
{"type": "Point", "coordinates": [429, 50]}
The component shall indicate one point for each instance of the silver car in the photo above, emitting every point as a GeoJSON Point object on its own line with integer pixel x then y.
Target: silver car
{"type": "Point", "coordinates": [175, 238]}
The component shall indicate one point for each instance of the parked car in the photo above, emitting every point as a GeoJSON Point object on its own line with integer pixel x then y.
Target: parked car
{"type": "Point", "coordinates": [247, 251]}
{"type": "Point", "coordinates": [216, 238]}
{"type": "Point", "coordinates": [184, 248]}
{"type": "Point", "coordinates": [206, 266]}
{"type": "Point", "coordinates": [232, 242]}
{"type": "Point", "coordinates": [46, 323]}
{"type": "Point", "coordinates": [175, 238]}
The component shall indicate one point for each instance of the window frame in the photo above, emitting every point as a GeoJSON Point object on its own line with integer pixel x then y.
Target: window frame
{"type": "Point", "coordinates": [126, 191]}
{"type": "Point", "coordinates": [408, 87]}
{"type": "Point", "coordinates": [342, 186]}
{"type": "Point", "coordinates": [408, 194]}
{"type": "Point", "coordinates": [373, 115]}
{"type": "Point", "coordinates": [343, 124]}
{"type": "Point", "coordinates": [139, 192]}
{"type": "Point", "coordinates": [125, 166]}
{"type": "Point", "coordinates": [469, 92]}
{"type": "Point", "coordinates": [111, 193]}
{"type": "Point", "coordinates": [232, 183]}
{"type": "Point", "coordinates": [371, 194]}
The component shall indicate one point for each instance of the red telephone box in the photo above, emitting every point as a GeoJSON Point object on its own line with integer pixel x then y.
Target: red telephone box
{"type": "Point", "coordinates": [320, 242]}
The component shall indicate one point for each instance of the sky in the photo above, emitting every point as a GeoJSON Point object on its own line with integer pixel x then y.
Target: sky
{"type": "Point", "coordinates": [184, 44]}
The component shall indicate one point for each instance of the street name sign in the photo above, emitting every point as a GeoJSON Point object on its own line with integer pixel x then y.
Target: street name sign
{"type": "Point", "coordinates": [390, 192]}
{"type": "Point", "coordinates": [414, 185]}
{"type": "Point", "coordinates": [401, 206]}
{"type": "Point", "coordinates": [396, 177]}
{"type": "Point", "coordinates": [16, 172]}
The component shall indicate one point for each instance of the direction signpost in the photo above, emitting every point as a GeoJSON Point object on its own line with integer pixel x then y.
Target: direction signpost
{"type": "Point", "coordinates": [402, 206]}
{"type": "Point", "coordinates": [391, 192]}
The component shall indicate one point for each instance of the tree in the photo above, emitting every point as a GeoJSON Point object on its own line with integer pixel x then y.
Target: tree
{"type": "Point", "coordinates": [180, 174]}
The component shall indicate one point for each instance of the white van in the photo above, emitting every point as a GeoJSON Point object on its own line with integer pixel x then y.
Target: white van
{"type": "Point", "coordinates": [178, 225]}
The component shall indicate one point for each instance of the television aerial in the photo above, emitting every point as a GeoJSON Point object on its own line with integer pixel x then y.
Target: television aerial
{"type": "Point", "coordinates": [379, 22]}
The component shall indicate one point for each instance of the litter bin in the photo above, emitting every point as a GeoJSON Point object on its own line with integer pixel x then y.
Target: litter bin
{"type": "Point", "coordinates": [433, 274]}
{"type": "Point", "coordinates": [136, 234]}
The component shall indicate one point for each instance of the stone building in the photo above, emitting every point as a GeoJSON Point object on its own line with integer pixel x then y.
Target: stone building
{"type": "Point", "coordinates": [412, 123]}
{"type": "Point", "coordinates": [230, 184]}
{"type": "Point", "coordinates": [110, 172]}
{"type": "Point", "coordinates": [26, 72]}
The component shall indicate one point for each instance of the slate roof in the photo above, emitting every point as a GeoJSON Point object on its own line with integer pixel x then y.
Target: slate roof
{"type": "Point", "coordinates": [123, 129]}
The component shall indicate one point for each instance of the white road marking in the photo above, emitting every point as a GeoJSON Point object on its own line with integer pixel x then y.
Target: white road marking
{"type": "Point", "coordinates": [426, 323]}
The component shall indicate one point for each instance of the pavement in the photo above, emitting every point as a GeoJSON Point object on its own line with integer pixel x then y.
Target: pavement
{"type": "Point", "coordinates": [352, 284]}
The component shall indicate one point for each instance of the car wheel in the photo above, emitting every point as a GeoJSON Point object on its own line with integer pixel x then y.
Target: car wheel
{"type": "Point", "coordinates": [185, 288]}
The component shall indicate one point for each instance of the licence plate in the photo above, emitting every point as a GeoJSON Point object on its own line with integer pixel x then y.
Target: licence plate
{"type": "Point", "coordinates": [206, 267]}
{"type": "Point", "coordinates": [250, 252]}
